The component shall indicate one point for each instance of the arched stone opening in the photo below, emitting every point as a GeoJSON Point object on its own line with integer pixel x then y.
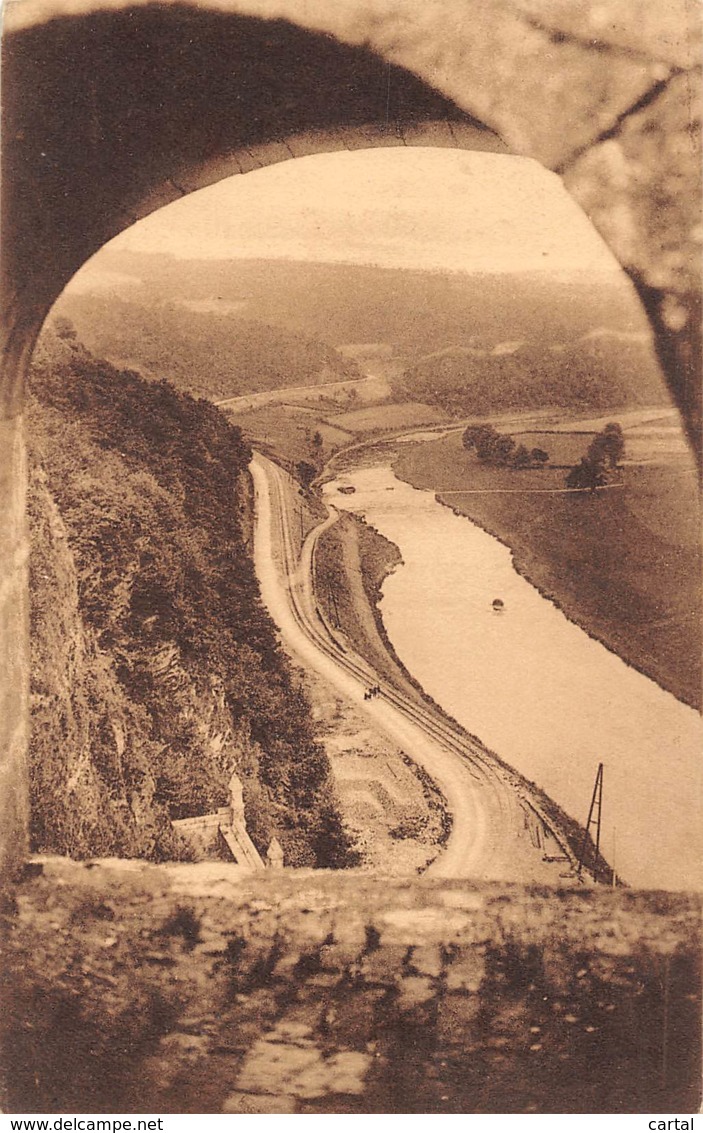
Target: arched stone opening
{"type": "Point", "coordinates": [93, 149]}
{"type": "Point", "coordinates": [109, 114]}
{"type": "Point", "coordinates": [109, 109]}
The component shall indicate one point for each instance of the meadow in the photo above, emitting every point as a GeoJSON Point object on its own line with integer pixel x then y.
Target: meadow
{"type": "Point", "coordinates": [624, 562]}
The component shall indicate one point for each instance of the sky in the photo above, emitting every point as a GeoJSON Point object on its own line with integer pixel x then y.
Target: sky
{"type": "Point", "coordinates": [398, 207]}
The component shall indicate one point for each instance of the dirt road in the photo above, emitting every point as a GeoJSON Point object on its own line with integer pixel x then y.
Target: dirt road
{"type": "Point", "coordinates": [371, 383]}
{"type": "Point", "coordinates": [494, 831]}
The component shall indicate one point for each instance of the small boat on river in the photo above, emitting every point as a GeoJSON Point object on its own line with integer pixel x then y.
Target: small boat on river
{"type": "Point", "coordinates": [498, 605]}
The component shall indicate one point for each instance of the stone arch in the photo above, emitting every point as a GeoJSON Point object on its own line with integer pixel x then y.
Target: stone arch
{"type": "Point", "coordinates": [114, 107]}
{"type": "Point", "coordinates": [101, 147]}
{"type": "Point", "coordinates": [110, 105]}
{"type": "Point", "coordinates": [446, 133]}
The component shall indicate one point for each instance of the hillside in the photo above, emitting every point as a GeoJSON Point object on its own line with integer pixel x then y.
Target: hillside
{"type": "Point", "coordinates": [599, 370]}
{"type": "Point", "coordinates": [388, 320]}
{"type": "Point", "coordinates": [156, 670]}
{"type": "Point", "coordinates": [356, 303]}
{"type": "Point", "coordinates": [206, 352]}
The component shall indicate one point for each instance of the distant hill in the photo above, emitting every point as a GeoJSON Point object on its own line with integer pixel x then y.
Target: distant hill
{"type": "Point", "coordinates": [595, 371]}
{"type": "Point", "coordinates": [207, 353]}
{"type": "Point", "coordinates": [402, 316]}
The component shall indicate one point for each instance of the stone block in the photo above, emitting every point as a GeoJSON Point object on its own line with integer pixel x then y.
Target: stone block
{"type": "Point", "coordinates": [642, 188]}
{"type": "Point", "coordinates": [157, 1019]}
{"type": "Point", "coordinates": [670, 31]}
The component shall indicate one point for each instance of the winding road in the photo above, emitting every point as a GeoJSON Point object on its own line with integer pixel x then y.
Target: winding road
{"type": "Point", "coordinates": [493, 823]}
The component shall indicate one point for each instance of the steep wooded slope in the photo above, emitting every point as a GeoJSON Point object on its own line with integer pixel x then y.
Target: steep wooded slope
{"type": "Point", "coordinates": [156, 669]}
{"type": "Point", "coordinates": [207, 351]}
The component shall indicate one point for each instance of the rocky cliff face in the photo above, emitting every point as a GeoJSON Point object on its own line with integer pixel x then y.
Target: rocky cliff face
{"type": "Point", "coordinates": [91, 783]}
{"type": "Point", "coordinates": [156, 672]}
{"type": "Point", "coordinates": [94, 757]}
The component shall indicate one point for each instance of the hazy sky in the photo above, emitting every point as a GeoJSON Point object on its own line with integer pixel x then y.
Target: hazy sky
{"type": "Point", "coordinates": [399, 207]}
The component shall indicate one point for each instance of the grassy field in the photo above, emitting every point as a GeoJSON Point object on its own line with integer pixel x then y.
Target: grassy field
{"type": "Point", "coordinates": [287, 430]}
{"type": "Point", "coordinates": [624, 563]}
{"type": "Point", "coordinates": [376, 417]}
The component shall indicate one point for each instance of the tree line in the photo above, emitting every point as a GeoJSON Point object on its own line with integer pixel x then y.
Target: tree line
{"type": "Point", "coordinates": [500, 450]}
{"type": "Point", "coordinates": [593, 470]}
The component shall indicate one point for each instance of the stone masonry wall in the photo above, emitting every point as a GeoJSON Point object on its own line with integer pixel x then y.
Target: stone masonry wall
{"type": "Point", "coordinates": [142, 989]}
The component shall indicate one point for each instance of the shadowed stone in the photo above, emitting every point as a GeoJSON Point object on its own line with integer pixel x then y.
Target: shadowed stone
{"type": "Point", "coordinates": [163, 1027]}
{"type": "Point", "coordinates": [669, 31]}
{"type": "Point", "coordinates": [633, 186]}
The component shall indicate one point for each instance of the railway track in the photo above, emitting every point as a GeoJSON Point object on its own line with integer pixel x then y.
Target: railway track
{"type": "Point", "coordinates": [491, 812]}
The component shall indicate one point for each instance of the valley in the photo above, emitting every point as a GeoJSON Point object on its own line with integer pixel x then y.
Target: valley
{"type": "Point", "coordinates": [621, 563]}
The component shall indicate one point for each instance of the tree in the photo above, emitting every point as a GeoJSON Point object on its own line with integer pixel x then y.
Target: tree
{"type": "Point", "coordinates": [477, 435]}
{"type": "Point", "coordinates": [500, 449]}
{"type": "Point", "coordinates": [521, 458]}
{"type": "Point", "coordinates": [491, 446]}
{"type": "Point", "coordinates": [586, 474]}
{"type": "Point", "coordinates": [602, 456]}
{"type": "Point", "coordinates": [608, 446]}
{"type": "Point", "coordinates": [306, 472]}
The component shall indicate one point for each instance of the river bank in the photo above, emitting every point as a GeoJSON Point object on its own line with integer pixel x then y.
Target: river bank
{"type": "Point", "coordinates": [535, 688]}
{"type": "Point", "coordinates": [623, 565]}
{"type": "Point", "coordinates": [352, 563]}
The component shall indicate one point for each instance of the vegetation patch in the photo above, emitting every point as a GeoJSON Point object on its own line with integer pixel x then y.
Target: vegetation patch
{"type": "Point", "coordinates": [351, 562]}
{"type": "Point", "coordinates": [204, 351]}
{"type": "Point", "coordinates": [157, 671]}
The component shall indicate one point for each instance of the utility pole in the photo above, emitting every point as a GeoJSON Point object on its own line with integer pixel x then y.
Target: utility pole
{"type": "Point", "coordinates": [597, 807]}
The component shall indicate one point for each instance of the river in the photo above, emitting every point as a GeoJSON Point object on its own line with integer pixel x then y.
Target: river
{"type": "Point", "coordinates": [534, 687]}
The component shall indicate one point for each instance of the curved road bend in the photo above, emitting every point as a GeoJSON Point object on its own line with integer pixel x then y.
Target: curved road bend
{"type": "Point", "coordinates": [488, 839]}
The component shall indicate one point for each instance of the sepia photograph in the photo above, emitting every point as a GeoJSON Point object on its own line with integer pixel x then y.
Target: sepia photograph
{"type": "Point", "coordinates": [350, 558]}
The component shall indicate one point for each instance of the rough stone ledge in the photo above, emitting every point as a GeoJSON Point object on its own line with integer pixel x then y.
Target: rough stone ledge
{"type": "Point", "coordinates": [140, 988]}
